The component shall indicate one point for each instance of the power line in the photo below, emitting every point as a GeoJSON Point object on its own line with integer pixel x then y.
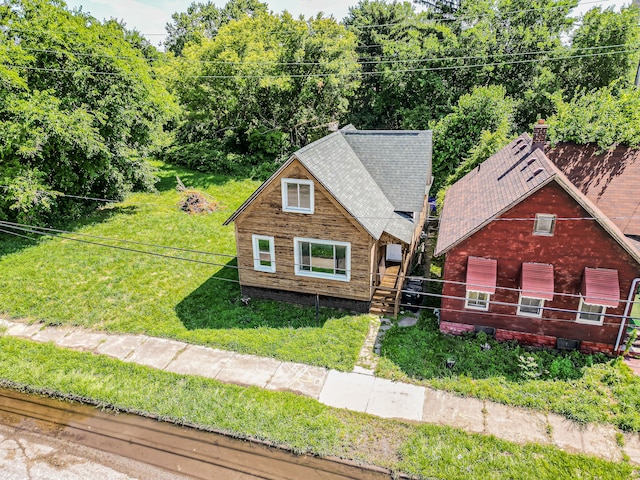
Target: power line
{"type": "Point", "coordinates": [21, 225]}
{"type": "Point", "coordinates": [428, 294]}
{"type": "Point", "coordinates": [355, 73]}
{"type": "Point", "coordinates": [507, 315]}
{"type": "Point", "coordinates": [44, 232]}
{"type": "Point", "coordinates": [161, 255]}
{"type": "Point", "coordinates": [60, 194]}
{"type": "Point", "coordinates": [382, 61]}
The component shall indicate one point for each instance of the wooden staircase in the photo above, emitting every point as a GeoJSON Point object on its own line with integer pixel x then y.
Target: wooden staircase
{"type": "Point", "coordinates": [383, 301]}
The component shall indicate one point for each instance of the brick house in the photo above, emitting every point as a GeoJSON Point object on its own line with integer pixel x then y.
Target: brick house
{"type": "Point", "coordinates": [543, 248]}
{"type": "Point", "coordinates": [338, 221]}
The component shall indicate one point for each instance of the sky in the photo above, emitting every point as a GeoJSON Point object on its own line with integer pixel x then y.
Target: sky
{"type": "Point", "coordinates": [149, 17]}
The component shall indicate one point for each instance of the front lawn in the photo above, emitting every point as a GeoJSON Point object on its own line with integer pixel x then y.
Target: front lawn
{"type": "Point", "coordinates": [301, 423]}
{"type": "Point", "coordinates": [581, 387]}
{"type": "Point", "coordinates": [60, 281]}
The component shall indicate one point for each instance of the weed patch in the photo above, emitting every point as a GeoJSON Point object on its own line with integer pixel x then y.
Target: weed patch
{"type": "Point", "coordinates": [584, 388]}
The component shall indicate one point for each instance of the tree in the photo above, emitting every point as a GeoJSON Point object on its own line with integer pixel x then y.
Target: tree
{"type": "Point", "coordinates": [606, 117]}
{"type": "Point", "coordinates": [606, 49]}
{"type": "Point", "coordinates": [266, 77]}
{"type": "Point", "coordinates": [486, 114]}
{"type": "Point", "coordinates": [203, 20]}
{"type": "Point", "coordinates": [80, 107]}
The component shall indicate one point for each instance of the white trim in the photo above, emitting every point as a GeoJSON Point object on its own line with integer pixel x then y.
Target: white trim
{"type": "Point", "coordinates": [545, 216]}
{"type": "Point", "coordinates": [476, 307]}
{"type": "Point", "coordinates": [328, 276]}
{"type": "Point", "coordinates": [528, 314]}
{"type": "Point", "coordinates": [285, 198]}
{"type": "Point", "coordinates": [590, 322]}
{"type": "Point", "coordinates": [256, 254]}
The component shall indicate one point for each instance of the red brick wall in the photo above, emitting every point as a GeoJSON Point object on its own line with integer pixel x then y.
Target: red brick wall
{"type": "Point", "coordinates": [575, 244]}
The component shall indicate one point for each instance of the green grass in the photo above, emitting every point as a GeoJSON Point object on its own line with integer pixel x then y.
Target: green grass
{"type": "Point", "coordinates": [583, 388]}
{"type": "Point", "coordinates": [60, 281]}
{"type": "Point", "coordinates": [298, 422]}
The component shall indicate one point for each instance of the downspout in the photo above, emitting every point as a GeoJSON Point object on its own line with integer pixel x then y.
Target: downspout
{"type": "Point", "coordinates": [627, 311]}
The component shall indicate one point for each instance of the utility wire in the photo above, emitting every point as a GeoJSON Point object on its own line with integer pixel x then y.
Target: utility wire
{"type": "Point", "coordinates": [509, 304]}
{"type": "Point", "coordinates": [44, 231]}
{"type": "Point", "coordinates": [33, 227]}
{"type": "Point", "coordinates": [161, 255]}
{"type": "Point", "coordinates": [381, 61]}
{"type": "Point", "coordinates": [235, 267]}
{"type": "Point", "coordinates": [324, 75]}
{"type": "Point", "coordinates": [408, 291]}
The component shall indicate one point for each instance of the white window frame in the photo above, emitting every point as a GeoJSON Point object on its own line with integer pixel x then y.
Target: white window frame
{"type": "Point", "coordinates": [545, 216]}
{"type": "Point", "coordinates": [256, 254]}
{"type": "Point", "coordinates": [529, 314]}
{"type": "Point", "coordinates": [590, 322]}
{"type": "Point", "coordinates": [484, 307]}
{"type": "Point", "coordinates": [285, 195]}
{"type": "Point", "coordinates": [329, 276]}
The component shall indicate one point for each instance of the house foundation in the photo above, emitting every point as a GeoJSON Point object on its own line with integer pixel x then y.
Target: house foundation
{"type": "Point", "coordinates": [299, 298]}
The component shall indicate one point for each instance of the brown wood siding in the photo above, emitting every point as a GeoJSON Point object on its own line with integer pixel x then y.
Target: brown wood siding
{"type": "Point", "coordinates": [328, 222]}
{"type": "Point", "coordinates": [576, 244]}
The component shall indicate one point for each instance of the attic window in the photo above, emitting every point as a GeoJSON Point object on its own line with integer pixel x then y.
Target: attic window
{"type": "Point", "coordinates": [297, 195]}
{"type": "Point", "coordinates": [544, 224]}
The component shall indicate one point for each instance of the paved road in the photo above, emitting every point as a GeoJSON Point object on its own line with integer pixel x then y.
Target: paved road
{"type": "Point", "coordinates": [27, 455]}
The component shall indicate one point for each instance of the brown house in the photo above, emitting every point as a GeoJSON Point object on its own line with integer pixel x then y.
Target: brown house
{"type": "Point", "coordinates": [339, 218]}
{"type": "Point", "coordinates": [543, 248]}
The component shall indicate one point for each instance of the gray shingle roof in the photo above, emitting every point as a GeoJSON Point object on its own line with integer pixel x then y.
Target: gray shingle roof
{"type": "Point", "coordinates": [372, 174]}
{"type": "Point", "coordinates": [399, 162]}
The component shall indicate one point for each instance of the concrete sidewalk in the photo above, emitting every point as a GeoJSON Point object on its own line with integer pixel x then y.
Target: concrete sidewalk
{"type": "Point", "coordinates": [359, 390]}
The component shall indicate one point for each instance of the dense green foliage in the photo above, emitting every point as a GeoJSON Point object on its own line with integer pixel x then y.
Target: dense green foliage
{"type": "Point", "coordinates": [203, 20]}
{"type": "Point", "coordinates": [263, 84]}
{"type": "Point", "coordinates": [83, 103]}
{"type": "Point", "coordinates": [79, 108]}
{"type": "Point", "coordinates": [486, 115]}
{"type": "Point", "coordinates": [300, 423]}
{"type": "Point", "coordinates": [605, 117]}
{"type": "Point", "coordinates": [59, 281]}
{"type": "Point", "coordinates": [581, 387]}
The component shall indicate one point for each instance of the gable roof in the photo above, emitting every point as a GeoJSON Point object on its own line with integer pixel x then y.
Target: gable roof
{"type": "Point", "coordinates": [610, 179]}
{"type": "Point", "coordinates": [387, 156]}
{"type": "Point", "coordinates": [372, 199]}
{"type": "Point", "coordinates": [502, 181]}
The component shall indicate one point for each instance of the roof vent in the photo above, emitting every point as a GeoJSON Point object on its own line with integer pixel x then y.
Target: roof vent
{"type": "Point", "coordinates": [538, 171]}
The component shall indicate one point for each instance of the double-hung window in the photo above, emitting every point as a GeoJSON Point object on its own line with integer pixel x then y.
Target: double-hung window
{"type": "Point", "coordinates": [589, 313]}
{"type": "Point", "coordinates": [530, 307]}
{"type": "Point", "coordinates": [264, 259]}
{"type": "Point", "coordinates": [322, 258]}
{"type": "Point", "coordinates": [477, 300]}
{"type": "Point", "coordinates": [297, 195]}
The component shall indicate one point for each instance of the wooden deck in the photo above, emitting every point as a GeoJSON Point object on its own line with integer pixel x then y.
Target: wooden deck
{"type": "Point", "coordinates": [384, 297]}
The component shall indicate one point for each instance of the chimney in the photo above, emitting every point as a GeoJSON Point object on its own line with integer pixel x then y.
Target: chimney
{"type": "Point", "coordinates": [539, 135]}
